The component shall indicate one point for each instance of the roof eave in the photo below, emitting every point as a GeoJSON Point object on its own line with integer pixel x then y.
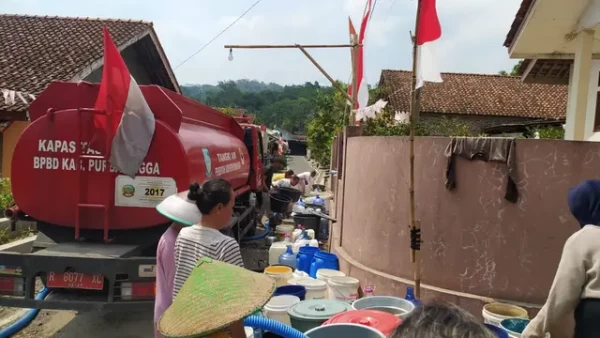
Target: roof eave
{"type": "Point", "coordinates": [518, 23]}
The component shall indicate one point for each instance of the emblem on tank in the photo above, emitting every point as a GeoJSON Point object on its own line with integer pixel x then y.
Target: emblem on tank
{"type": "Point", "coordinates": [207, 162]}
{"type": "Point", "coordinates": [241, 155]}
{"type": "Point", "coordinates": [128, 190]}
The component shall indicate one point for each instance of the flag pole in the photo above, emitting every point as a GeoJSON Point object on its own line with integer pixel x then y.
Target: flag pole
{"type": "Point", "coordinates": [352, 116]}
{"type": "Point", "coordinates": [415, 231]}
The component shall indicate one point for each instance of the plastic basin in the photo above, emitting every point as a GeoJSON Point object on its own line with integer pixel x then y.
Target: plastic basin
{"type": "Point", "coordinates": [397, 306]}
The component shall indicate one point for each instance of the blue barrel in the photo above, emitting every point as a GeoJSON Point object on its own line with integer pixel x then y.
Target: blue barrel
{"type": "Point", "coordinates": [323, 260]}
{"type": "Point", "coordinates": [305, 257]}
{"type": "Point", "coordinates": [291, 290]}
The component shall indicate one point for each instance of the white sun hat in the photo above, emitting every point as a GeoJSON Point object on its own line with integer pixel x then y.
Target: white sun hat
{"type": "Point", "coordinates": [178, 208]}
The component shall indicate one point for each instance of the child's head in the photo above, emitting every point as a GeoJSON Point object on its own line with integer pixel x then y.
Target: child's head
{"type": "Point", "coordinates": [215, 200]}
{"type": "Point", "coordinates": [313, 173]}
{"type": "Point", "coordinates": [289, 173]}
{"type": "Point", "coordinates": [294, 180]}
{"type": "Point", "coordinates": [441, 321]}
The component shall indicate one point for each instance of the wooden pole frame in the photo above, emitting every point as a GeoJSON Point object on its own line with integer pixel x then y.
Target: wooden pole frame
{"type": "Point", "coordinates": [303, 48]}
{"type": "Point", "coordinates": [413, 118]}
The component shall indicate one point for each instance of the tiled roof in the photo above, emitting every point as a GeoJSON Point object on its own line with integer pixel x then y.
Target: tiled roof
{"type": "Point", "coordinates": [35, 50]}
{"type": "Point", "coordinates": [477, 94]}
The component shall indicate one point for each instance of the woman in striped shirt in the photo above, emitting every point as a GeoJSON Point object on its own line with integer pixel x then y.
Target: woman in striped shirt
{"type": "Point", "coordinates": [215, 199]}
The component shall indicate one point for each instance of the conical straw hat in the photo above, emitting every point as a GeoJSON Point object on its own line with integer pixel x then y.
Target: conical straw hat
{"type": "Point", "coordinates": [178, 208]}
{"type": "Point", "coordinates": [215, 296]}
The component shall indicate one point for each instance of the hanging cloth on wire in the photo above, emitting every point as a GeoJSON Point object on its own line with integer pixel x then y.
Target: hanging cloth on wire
{"type": "Point", "coordinates": [488, 149]}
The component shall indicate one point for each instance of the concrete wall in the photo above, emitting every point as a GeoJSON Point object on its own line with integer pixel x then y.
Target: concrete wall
{"type": "Point", "coordinates": [477, 246]}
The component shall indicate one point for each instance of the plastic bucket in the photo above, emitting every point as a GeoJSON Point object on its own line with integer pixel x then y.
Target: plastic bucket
{"type": "Point", "coordinates": [325, 274]}
{"type": "Point", "coordinates": [305, 257]}
{"type": "Point", "coordinates": [281, 274]}
{"type": "Point", "coordinates": [308, 221]}
{"type": "Point", "coordinates": [344, 330]}
{"type": "Point", "coordinates": [494, 313]}
{"type": "Point", "coordinates": [323, 260]}
{"type": "Point", "coordinates": [343, 288]}
{"type": "Point", "coordinates": [323, 233]}
{"type": "Point", "coordinates": [498, 332]}
{"type": "Point", "coordinates": [282, 230]}
{"type": "Point", "coordinates": [514, 326]}
{"type": "Point", "coordinates": [279, 202]}
{"type": "Point", "coordinates": [278, 306]}
{"type": "Point", "coordinates": [315, 289]}
{"type": "Point", "coordinates": [399, 307]}
{"type": "Point", "coordinates": [292, 290]}
{"type": "Point", "coordinates": [292, 193]}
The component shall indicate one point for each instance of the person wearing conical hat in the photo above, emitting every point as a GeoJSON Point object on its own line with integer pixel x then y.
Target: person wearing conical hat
{"type": "Point", "coordinates": [183, 212]}
{"type": "Point", "coordinates": [215, 299]}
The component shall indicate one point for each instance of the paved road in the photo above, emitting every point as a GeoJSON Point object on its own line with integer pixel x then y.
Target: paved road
{"type": "Point", "coordinates": [299, 164]}
{"type": "Point", "coordinates": [70, 324]}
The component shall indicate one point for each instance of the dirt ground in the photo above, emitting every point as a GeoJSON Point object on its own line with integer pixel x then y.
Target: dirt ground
{"type": "Point", "coordinates": [70, 324]}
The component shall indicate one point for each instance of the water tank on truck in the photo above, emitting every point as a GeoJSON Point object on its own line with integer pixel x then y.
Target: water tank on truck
{"type": "Point", "coordinates": [57, 179]}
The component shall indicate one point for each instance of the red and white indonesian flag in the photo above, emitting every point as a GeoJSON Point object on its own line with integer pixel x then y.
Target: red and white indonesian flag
{"type": "Point", "coordinates": [133, 122]}
{"type": "Point", "coordinates": [363, 88]}
{"type": "Point", "coordinates": [429, 33]}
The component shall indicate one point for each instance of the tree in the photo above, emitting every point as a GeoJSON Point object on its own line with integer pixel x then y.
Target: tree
{"type": "Point", "coordinates": [329, 120]}
{"type": "Point", "coordinates": [514, 71]}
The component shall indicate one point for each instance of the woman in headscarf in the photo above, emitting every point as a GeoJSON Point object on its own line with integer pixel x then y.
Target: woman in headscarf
{"type": "Point", "coordinates": [576, 287]}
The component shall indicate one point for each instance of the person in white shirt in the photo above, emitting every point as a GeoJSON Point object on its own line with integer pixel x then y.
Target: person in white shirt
{"type": "Point", "coordinates": [292, 182]}
{"type": "Point", "coordinates": [308, 177]}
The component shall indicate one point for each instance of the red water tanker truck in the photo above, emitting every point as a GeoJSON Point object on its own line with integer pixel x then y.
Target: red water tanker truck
{"type": "Point", "coordinates": [97, 228]}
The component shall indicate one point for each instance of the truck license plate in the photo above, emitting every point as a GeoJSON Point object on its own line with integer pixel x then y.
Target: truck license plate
{"type": "Point", "coordinates": [75, 280]}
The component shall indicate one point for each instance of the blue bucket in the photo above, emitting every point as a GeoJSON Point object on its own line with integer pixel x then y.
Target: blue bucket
{"type": "Point", "coordinates": [499, 332]}
{"type": "Point", "coordinates": [291, 290]}
{"type": "Point", "coordinates": [305, 257]}
{"type": "Point", "coordinates": [516, 325]}
{"type": "Point", "coordinates": [323, 260]}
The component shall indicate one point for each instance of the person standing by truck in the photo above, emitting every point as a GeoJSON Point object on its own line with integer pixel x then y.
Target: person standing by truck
{"type": "Point", "coordinates": [215, 200]}
{"type": "Point", "coordinates": [182, 212]}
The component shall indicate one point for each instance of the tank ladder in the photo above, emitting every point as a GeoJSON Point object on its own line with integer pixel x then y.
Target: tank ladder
{"type": "Point", "coordinates": [81, 175]}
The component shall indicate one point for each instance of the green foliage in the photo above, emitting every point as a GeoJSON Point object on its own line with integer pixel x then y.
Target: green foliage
{"type": "Point", "coordinates": [286, 107]}
{"type": "Point", "coordinates": [548, 133]}
{"type": "Point", "coordinates": [229, 111]}
{"type": "Point", "coordinates": [514, 71]}
{"type": "Point", "coordinates": [7, 236]}
{"type": "Point", "coordinates": [6, 196]}
{"type": "Point", "coordinates": [384, 125]}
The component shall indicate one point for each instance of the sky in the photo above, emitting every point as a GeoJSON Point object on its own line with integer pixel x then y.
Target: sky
{"type": "Point", "coordinates": [473, 32]}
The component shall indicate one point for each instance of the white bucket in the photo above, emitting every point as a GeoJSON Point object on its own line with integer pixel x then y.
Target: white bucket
{"type": "Point", "coordinates": [249, 332]}
{"type": "Point", "coordinates": [277, 307]}
{"type": "Point", "coordinates": [325, 274]}
{"type": "Point", "coordinates": [315, 289]}
{"type": "Point", "coordinates": [343, 288]}
{"type": "Point", "coordinates": [494, 313]}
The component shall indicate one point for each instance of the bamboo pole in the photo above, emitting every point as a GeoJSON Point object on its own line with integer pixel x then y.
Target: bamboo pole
{"type": "Point", "coordinates": [302, 48]}
{"type": "Point", "coordinates": [352, 117]}
{"type": "Point", "coordinates": [285, 46]}
{"type": "Point", "coordinates": [413, 118]}
{"type": "Point", "coordinates": [314, 62]}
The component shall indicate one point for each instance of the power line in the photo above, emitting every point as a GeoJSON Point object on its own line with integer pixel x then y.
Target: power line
{"type": "Point", "coordinates": [217, 36]}
{"type": "Point", "coordinates": [373, 9]}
